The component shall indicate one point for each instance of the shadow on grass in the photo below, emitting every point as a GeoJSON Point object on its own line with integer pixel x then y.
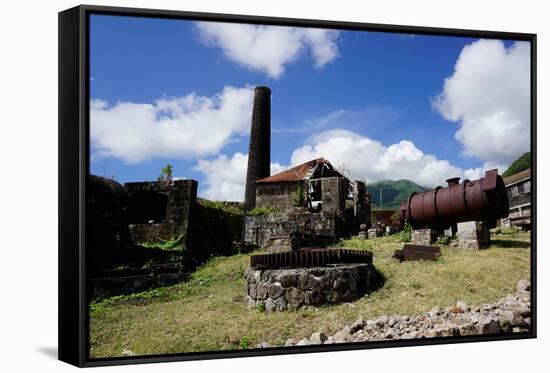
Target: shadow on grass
{"type": "Point", "coordinates": [377, 281]}
{"type": "Point", "coordinates": [511, 244]}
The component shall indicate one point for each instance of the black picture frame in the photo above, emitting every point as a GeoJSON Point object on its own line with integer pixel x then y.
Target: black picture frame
{"type": "Point", "coordinates": [74, 165]}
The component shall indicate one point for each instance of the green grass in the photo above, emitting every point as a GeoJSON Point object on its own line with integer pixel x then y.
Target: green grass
{"type": "Point", "coordinates": [175, 243]}
{"type": "Point", "coordinates": [208, 312]}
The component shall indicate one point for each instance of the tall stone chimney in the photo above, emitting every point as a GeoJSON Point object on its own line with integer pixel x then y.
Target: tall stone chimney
{"type": "Point", "coordinates": [259, 151]}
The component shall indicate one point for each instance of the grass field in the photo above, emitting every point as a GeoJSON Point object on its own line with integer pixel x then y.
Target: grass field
{"type": "Point", "coordinates": [208, 312]}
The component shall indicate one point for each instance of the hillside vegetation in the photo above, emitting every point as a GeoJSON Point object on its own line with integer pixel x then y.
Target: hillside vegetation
{"type": "Point", "coordinates": [520, 164]}
{"type": "Point", "coordinates": [393, 193]}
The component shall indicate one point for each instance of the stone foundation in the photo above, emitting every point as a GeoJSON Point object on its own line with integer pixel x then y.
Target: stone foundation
{"type": "Point", "coordinates": [260, 229]}
{"type": "Point", "coordinates": [375, 232]}
{"type": "Point", "coordinates": [278, 245]}
{"type": "Point", "coordinates": [281, 289]}
{"type": "Point", "coordinates": [473, 235]}
{"type": "Point", "coordinates": [424, 236]}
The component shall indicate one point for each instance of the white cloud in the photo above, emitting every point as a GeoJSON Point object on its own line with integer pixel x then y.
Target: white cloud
{"type": "Point", "coordinates": [225, 177]}
{"type": "Point", "coordinates": [373, 117]}
{"type": "Point", "coordinates": [369, 159]}
{"type": "Point", "coordinates": [364, 158]}
{"type": "Point", "coordinates": [269, 48]}
{"type": "Point", "coordinates": [489, 96]}
{"type": "Point", "coordinates": [176, 127]}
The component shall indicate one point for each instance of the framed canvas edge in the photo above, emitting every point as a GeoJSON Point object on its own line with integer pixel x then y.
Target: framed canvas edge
{"type": "Point", "coordinates": [71, 190]}
{"type": "Point", "coordinates": [72, 197]}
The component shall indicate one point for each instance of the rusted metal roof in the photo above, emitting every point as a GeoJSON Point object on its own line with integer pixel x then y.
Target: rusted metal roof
{"type": "Point", "coordinates": [296, 173]}
{"type": "Point", "coordinates": [525, 174]}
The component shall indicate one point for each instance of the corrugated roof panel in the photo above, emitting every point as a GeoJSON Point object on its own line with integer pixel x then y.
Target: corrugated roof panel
{"type": "Point", "coordinates": [296, 173]}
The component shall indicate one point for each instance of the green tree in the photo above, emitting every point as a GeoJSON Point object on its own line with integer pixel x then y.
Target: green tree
{"type": "Point", "coordinates": [166, 173]}
{"type": "Point", "coordinates": [299, 198]}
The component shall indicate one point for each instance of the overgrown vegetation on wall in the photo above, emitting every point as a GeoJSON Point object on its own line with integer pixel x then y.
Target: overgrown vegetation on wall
{"type": "Point", "coordinates": [214, 226]}
{"type": "Point", "coordinates": [173, 244]}
{"type": "Point", "coordinates": [231, 207]}
{"type": "Point", "coordinates": [258, 211]}
{"type": "Point", "coordinates": [299, 198]}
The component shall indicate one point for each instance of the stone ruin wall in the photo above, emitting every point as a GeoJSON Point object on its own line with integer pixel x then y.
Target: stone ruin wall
{"type": "Point", "coordinates": [333, 221]}
{"type": "Point", "coordinates": [181, 196]}
{"type": "Point", "coordinates": [207, 231]}
{"type": "Point", "coordinates": [281, 289]}
{"type": "Point", "coordinates": [361, 205]}
{"type": "Point", "coordinates": [212, 231]}
{"type": "Point", "coordinates": [259, 229]}
{"type": "Point", "coordinates": [278, 195]}
{"type": "Point", "coordinates": [333, 191]}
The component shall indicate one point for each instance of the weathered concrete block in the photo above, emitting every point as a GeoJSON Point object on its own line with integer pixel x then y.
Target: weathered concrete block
{"type": "Point", "coordinates": [473, 235]}
{"type": "Point", "coordinates": [424, 236]}
{"type": "Point", "coordinates": [373, 233]}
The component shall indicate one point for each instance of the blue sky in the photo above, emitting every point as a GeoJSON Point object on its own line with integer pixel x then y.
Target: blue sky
{"type": "Point", "coordinates": [380, 105]}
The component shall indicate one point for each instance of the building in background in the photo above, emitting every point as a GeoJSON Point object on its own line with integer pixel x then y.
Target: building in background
{"type": "Point", "coordinates": [312, 202]}
{"type": "Point", "coordinates": [518, 187]}
{"type": "Point", "coordinates": [323, 187]}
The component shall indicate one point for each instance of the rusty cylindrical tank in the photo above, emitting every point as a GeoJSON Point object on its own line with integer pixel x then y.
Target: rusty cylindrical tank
{"type": "Point", "coordinates": [484, 199]}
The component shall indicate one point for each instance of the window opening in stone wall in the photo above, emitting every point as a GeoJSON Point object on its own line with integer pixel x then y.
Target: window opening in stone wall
{"type": "Point", "coordinates": [147, 207]}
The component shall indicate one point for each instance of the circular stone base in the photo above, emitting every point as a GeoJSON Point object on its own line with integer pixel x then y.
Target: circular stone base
{"type": "Point", "coordinates": [279, 289]}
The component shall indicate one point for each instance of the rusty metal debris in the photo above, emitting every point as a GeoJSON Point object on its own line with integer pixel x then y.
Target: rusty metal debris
{"type": "Point", "coordinates": [417, 252]}
{"type": "Point", "coordinates": [484, 199]}
{"type": "Point", "coordinates": [310, 257]}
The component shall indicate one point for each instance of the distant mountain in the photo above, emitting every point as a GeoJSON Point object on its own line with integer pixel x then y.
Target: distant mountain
{"type": "Point", "coordinates": [520, 164]}
{"type": "Point", "coordinates": [393, 193]}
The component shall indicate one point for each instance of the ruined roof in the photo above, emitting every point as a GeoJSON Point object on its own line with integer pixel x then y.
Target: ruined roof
{"type": "Point", "coordinates": [525, 174]}
{"type": "Point", "coordinates": [296, 173]}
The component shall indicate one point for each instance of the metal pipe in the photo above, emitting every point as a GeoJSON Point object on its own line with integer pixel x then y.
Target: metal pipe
{"type": "Point", "coordinates": [484, 199]}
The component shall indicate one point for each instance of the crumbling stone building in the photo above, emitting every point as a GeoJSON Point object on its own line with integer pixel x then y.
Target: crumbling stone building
{"type": "Point", "coordinates": [159, 210]}
{"type": "Point", "coordinates": [313, 200]}
{"type": "Point", "coordinates": [125, 216]}
{"type": "Point", "coordinates": [518, 188]}
{"type": "Point", "coordinates": [324, 188]}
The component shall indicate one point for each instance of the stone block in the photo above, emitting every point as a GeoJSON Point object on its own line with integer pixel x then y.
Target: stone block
{"type": "Point", "coordinates": [373, 233]}
{"type": "Point", "coordinates": [295, 297]}
{"type": "Point", "coordinates": [425, 236]}
{"type": "Point", "coordinates": [473, 235]}
{"type": "Point", "coordinates": [275, 290]}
